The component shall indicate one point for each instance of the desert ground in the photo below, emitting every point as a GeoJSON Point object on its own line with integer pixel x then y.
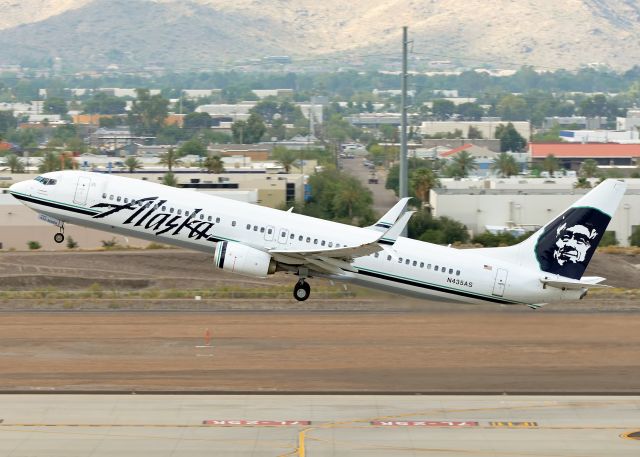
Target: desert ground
{"type": "Point", "coordinates": [139, 320]}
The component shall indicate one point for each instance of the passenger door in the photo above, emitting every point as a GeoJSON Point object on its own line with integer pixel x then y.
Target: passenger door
{"type": "Point", "coordinates": [282, 238]}
{"type": "Point", "coordinates": [500, 282]}
{"type": "Point", "coordinates": [82, 190]}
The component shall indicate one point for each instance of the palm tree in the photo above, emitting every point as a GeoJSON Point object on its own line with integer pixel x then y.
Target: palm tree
{"type": "Point", "coordinates": [589, 168]}
{"type": "Point", "coordinates": [170, 159]}
{"type": "Point", "coordinates": [550, 164]}
{"type": "Point", "coordinates": [50, 162]}
{"type": "Point", "coordinates": [132, 163]}
{"type": "Point", "coordinates": [285, 156]}
{"type": "Point", "coordinates": [582, 183]}
{"type": "Point", "coordinates": [350, 196]}
{"type": "Point", "coordinates": [422, 181]}
{"type": "Point", "coordinates": [505, 165]}
{"type": "Point", "coordinates": [213, 164]}
{"type": "Point", "coordinates": [463, 164]}
{"type": "Point", "coordinates": [15, 164]}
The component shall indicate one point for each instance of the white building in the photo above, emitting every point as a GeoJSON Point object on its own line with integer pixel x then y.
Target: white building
{"type": "Point", "coordinates": [525, 204]}
{"type": "Point", "coordinates": [487, 128]}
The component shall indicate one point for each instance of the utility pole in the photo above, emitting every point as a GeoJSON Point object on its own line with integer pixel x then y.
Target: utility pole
{"type": "Point", "coordinates": [404, 169]}
{"type": "Point", "coordinates": [404, 174]}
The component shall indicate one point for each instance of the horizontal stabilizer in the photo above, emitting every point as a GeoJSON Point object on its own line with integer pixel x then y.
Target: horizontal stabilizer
{"type": "Point", "coordinates": [588, 282]}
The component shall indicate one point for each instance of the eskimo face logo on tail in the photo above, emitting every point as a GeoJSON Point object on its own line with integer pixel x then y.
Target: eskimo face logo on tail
{"type": "Point", "coordinates": [567, 244]}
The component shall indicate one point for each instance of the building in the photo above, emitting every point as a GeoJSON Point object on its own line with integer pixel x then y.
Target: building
{"type": "Point", "coordinates": [572, 122]}
{"type": "Point", "coordinates": [571, 155]}
{"type": "Point", "coordinates": [482, 156]}
{"type": "Point", "coordinates": [631, 122]}
{"type": "Point", "coordinates": [486, 128]}
{"type": "Point", "coordinates": [600, 136]}
{"type": "Point", "coordinates": [524, 204]}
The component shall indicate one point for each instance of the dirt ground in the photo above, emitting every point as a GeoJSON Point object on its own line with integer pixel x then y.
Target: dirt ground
{"type": "Point", "coordinates": [341, 340]}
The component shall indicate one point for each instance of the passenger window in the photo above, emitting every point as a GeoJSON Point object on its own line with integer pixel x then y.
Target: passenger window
{"type": "Point", "coordinates": [435, 268]}
{"type": "Point", "coordinates": [407, 261]}
{"type": "Point", "coordinates": [233, 223]}
{"type": "Point", "coordinates": [450, 271]}
{"type": "Point", "coordinates": [209, 218]}
{"type": "Point", "coordinates": [119, 199]}
{"type": "Point", "coordinates": [421, 264]}
{"type": "Point", "coordinates": [292, 236]}
{"type": "Point", "coordinates": [104, 195]}
{"type": "Point", "coordinates": [315, 241]}
{"type": "Point", "coordinates": [376, 255]}
{"type": "Point", "coordinates": [399, 259]}
{"type": "Point", "coordinates": [164, 208]}
{"type": "Point", "coordinates": [262, 229]}
{"type": "Point", "coordinates": [337, 245]}
{"type": "Point", "coordinates": [248, 226]}
{"type": "Point", "coordinates": [110, 197]}
{"type": "Point", "coordinates": [179, 212]}
{"type": "Point", "coordinates": [201, 217]}
{"type": "Point", "coordinates": [458, 273]}
{"type": "Point", "coordinates": [283, 234]}
{"type": "Point", "coordinates": [126, 200]}
{"type": "Point", "coordinates": [322, 243]}
{"type": "Point", "coordinates": [270, 231]}
{"type": "Point", "coordinates": [171, 210]}
{"type": "Point", "coordinates": [389, 258]}
{"type": "Point", "coordinates": [255, 228]}
{"type": "Point", "coordinates": [429, 267]}
{"type": "Point", "coordinates": [308, 239]}
{"type": "Point", "coordinates": [330, 244]}
{"type": "Point", "coordinates": [217, 220]}
{"type": "Point", "coordinates": [415, 263]}
{"type": "Point", "coordinates": [186, 213]}
{"type": "Point", "coordinates": [300, 238]}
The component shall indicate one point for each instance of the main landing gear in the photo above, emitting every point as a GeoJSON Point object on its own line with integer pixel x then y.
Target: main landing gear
{"type": "Point", "coordinates": [59, 237]}
{"type": "Point", "coordinates": [302, 290]}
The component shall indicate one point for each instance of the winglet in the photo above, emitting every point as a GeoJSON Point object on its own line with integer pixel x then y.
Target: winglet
{"type": "Point", "coordinates": [391, 235]}
{"type": "Point", "coordinates": [391, 216]}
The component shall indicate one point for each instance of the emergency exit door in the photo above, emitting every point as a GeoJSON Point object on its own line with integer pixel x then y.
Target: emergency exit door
{"type": "Point", "coordinates": [82, 190]}
{"type": "Point", "coordinates": [500, 282]}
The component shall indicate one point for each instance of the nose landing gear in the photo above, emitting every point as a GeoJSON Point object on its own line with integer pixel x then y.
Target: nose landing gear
{"type": "Point", "coordinates": [302, 290]}
{"type": "Point", "coordinates": [59, 237]}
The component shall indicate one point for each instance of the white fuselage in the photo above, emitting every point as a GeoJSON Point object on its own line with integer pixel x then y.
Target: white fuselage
{"type": "Point", "coordinates": [197, 221]}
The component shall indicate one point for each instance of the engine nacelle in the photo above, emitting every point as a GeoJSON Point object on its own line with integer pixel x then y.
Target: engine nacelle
{"type": "Point", "coordinates": [243, 260]}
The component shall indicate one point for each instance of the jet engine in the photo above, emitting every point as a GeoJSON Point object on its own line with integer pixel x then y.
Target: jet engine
{"type": "Point", "coordinates": [244, 260]}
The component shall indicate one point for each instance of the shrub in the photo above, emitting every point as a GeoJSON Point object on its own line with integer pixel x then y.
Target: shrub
{"type": "Point", "coordinates": [33, 245]}
{"type": "Point", "coordinates": [71, 243]}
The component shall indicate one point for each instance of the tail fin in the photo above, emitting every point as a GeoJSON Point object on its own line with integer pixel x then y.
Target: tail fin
{"type": "Point", "coordinates": [565, 245]}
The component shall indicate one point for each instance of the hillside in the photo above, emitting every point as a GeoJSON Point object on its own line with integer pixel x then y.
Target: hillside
{"type": "Point", "coordinates": [202, 33]}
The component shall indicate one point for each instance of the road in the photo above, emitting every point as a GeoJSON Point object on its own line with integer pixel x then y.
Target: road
{"type": "Point", "coordinates": [383, 199]}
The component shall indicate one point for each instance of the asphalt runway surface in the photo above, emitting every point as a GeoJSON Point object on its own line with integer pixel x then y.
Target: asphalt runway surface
{"type": "Point", "coordinates": [317, 426]}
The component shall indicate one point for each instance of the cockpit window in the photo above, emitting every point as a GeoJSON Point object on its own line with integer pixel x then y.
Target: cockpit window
{"type": "Point", "coordinates": [46, 181]}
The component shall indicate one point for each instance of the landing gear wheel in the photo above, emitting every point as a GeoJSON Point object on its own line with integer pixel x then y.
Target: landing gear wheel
{"type": "Point", "coordinates": [58, 237]}
{"type": "Point", "coordinates": [302, 290]}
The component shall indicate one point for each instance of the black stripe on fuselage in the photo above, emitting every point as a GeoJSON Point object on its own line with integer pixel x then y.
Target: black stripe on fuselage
{"type": "Point", "coordinates": [223, 252]}
{"type": "Point", "coordinates": [435, 288]}
{"type": "Point", "coordinates": [37, 201]}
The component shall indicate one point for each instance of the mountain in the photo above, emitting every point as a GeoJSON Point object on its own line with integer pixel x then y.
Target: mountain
{"type": "Point", "coordinates": [211, 33]}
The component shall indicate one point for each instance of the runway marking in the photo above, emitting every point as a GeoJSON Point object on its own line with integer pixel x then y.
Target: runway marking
{"type": "Point", "coordinates": [501, 424]}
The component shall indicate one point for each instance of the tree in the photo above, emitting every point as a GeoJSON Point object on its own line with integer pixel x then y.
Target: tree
{"type": "Point", "coordinates": [14, 163]}
{"type": "Point", "coordinates": [462, 165]}
{"type": "Point", "coordinates": [589, 168]}
{"type": "Point", "coordinates": [102, 103]}
{"type": "Point", "coordinates": [582, 183]}
{"type": "Point", "coordinates": [213, 164]}
{"type": "Point", "coordinates": [470, 111]}
{"type": "Point", "coordinates": [169, 179]}
{"type": "Point", "coordinates": [474, 133]}
{"type": "Point", "coordinates": [170, 159]}
{"type": "Point", "coordinates": [197, 121]}
{"type": "Point", "coordinates": [55, 105]}
{"type": "Point", "coordinates": [512, 108]}
{"type": "Point", "coordinates": [250, 131]}
{"type": "Point", "coordinates": [510, 139]}
{"type": "Point", "coordinates": [285, 156]}
{"type": "Point", "coordinates": [634, 239]}
{"type": "Point", "coordinates": [350, 199]}
{"type": "Point", "coordinates": [50, 162]}
{"type": "Point", "coordinates": [443, 109]}
{"type": "Point", "coordinates": [148, 112]}
{"type": "Point", "coordinates": [422, 181]}
{"type": "Point", "coordinates": [505, 165]}
{"type": "Point", "coordinates": [551, 164]}
{"type": "Point", "coordinates": [7, 121]}
{"type": "Point", "coordinates": [192, 147]}
{"type": "Point", "coordinates": [132, 163]}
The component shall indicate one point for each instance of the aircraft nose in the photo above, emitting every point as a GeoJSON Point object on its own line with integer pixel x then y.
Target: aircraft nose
{"type": "Point", "coordinates": [18, 188]}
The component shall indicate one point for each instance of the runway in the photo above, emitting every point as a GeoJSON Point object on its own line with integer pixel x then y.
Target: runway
{"type": "Point", "coordinates": [317, 425]}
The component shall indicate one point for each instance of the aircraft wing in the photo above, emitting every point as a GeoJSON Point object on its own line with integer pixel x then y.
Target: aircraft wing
{"type": "Point", "coordinates": [587, 282]}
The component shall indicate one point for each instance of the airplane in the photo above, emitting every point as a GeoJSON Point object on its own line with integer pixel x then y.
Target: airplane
{"type": "Point", "coordinates": [257, 241]}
